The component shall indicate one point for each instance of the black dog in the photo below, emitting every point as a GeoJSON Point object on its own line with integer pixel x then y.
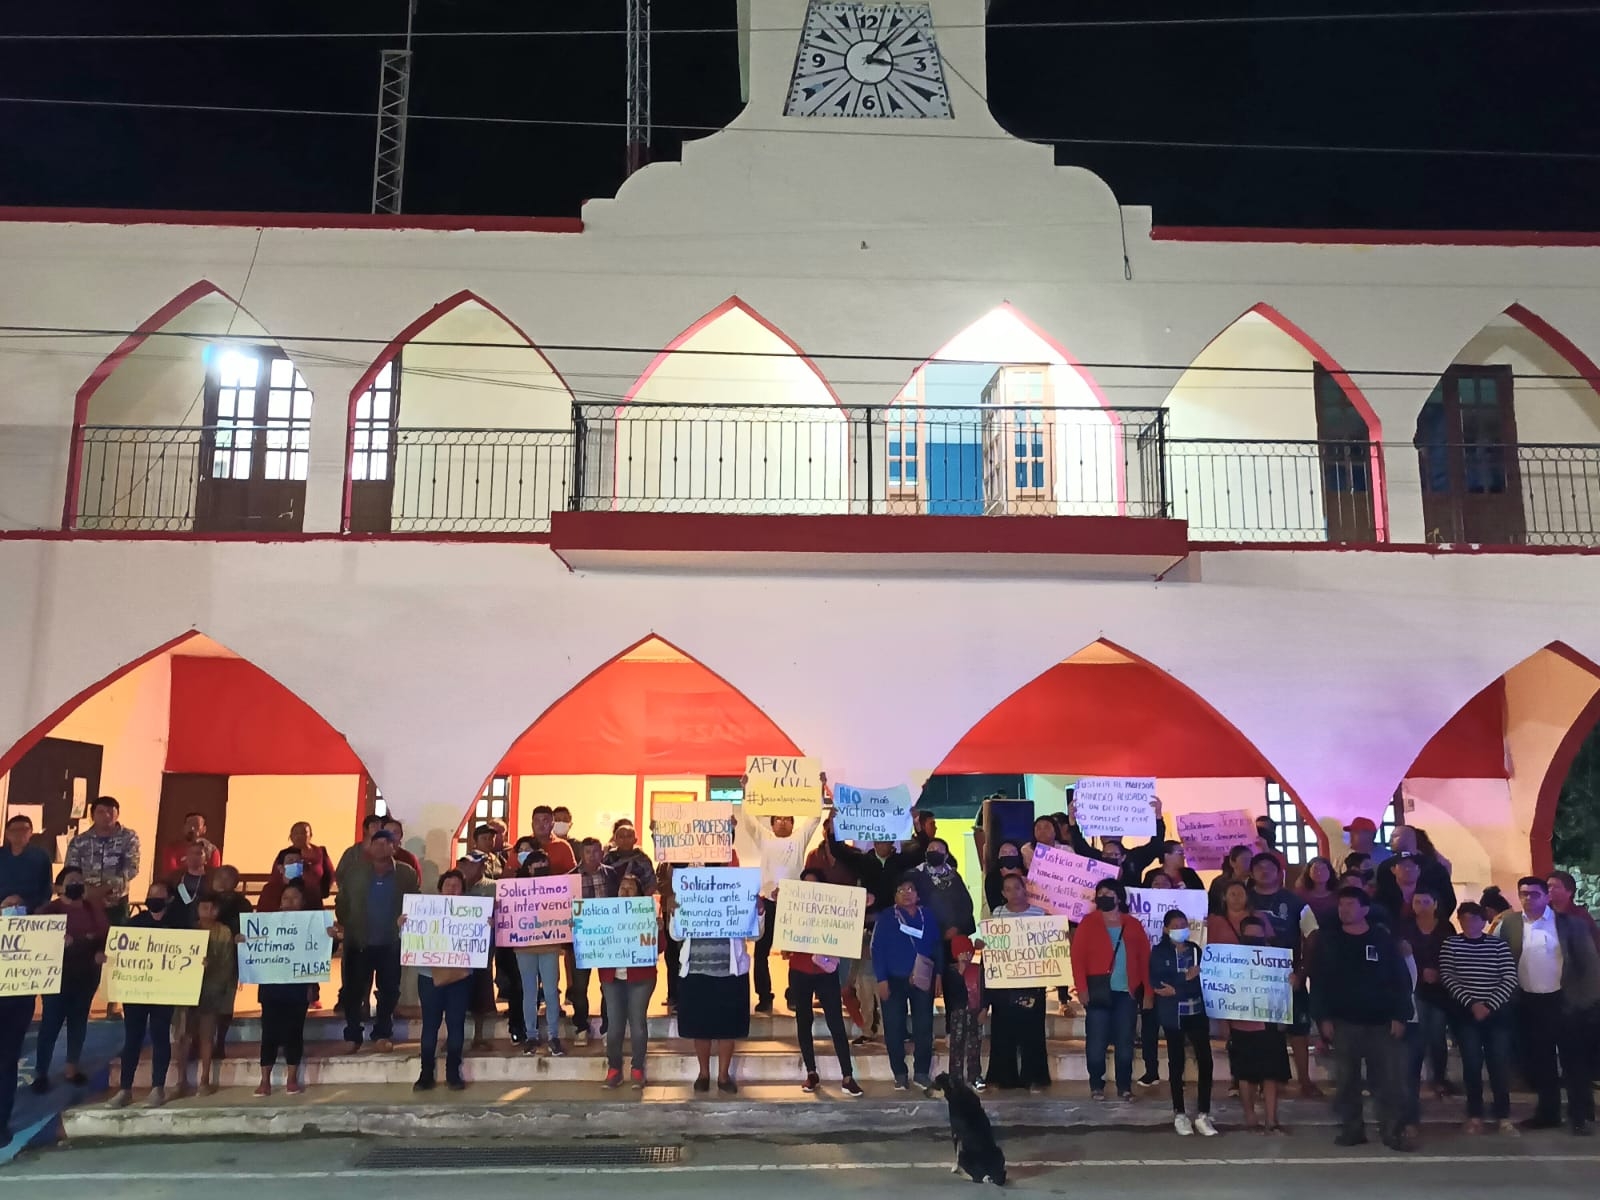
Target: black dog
{"type": "Point", "coordinates": [977, 1152]}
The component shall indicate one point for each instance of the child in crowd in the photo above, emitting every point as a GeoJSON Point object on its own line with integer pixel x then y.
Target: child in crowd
{"type": "Point", "coordinates": [195, 1028]}
{"type": "Point", "coordinates": [966, 1016]}
{"type": "Point", "coordinates": [1258, 1054]}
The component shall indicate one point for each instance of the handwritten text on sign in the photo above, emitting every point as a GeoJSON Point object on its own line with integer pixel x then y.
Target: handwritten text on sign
{"type": "Point", "coordinates": [1025, 952]}
{"type": "Point", "coordinates": [1150, 906]}
{"type": "Point", "coordinates": [1246, 983]}
{"type": "Point", "coordinates": [285, 947]}
{"type": "Point", "coordinates": [446, 931]}
{"type": "Point", "coordinates": [693, 833]}
{"type": "Point", "coordinates": [619, 932]}
{"type": "Point", "coordinates": [871, 814]}
{"type": "Point", "coordinates": [1062, 882]}
{"type": "Point", "coordinates": [1208, 836]}
{"type": "Point", "coordinates": [534, 912]}
{"type": "Point", "coordinates": [1115, 807]}
{"type": "Point", "coordinates": [717, 901]}
{"type": "Point", "coordinates": [820, 918]}
{"type": "Point", "coordinates": [782, 787]}
{"type": "Point", "coordinates": [30, 955]}
{"type": "Point", "coordinates": [155, 966]}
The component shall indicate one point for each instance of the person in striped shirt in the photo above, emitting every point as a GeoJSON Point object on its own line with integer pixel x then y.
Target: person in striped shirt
{"type": "Point", "coordinates": [1481, 978]}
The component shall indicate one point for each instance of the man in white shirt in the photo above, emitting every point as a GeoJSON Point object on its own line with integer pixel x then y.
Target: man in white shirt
{"type": "Point", "coordinates": [1558, 976]}
{"type": "Point", "coordinates": [783, 855]}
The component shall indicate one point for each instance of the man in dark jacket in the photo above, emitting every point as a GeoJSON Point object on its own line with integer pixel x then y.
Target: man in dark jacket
{"type": "Point", "coordinates": [1130, 864]}
{"type": "Point", "coordinates": [372, 891]}
{"type": "Point", "coordinates": [1361, 998]}
{"type": "Point", "coordinates": [1433, 875]}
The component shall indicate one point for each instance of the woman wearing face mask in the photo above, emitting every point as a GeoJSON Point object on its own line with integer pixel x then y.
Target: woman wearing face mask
{"type": "Point", "coordinates": [1007, 861]}
{"type": "Point", "coordinates": [152, 1020]}
{"type": "Point", "coordinates": [287, 867]}
{"type": "Point", "coordinates": [283, 1007]}
{"type": "Point", "coordinates": [1111, 969]}
{"type": "Point", "coordinates": [539, 966]}
{"type": "Point", "coordinates": [941, 888]}
{"type": "Point", "coordinates": [80, 977]}
{"type": "Point", "coordinates": [1181, 1010]}
{"type": "Point", "coordinates": [908, 951]}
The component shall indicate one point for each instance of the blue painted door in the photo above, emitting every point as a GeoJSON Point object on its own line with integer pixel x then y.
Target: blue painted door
{"type": "Point", "coordinates": [955, 478]}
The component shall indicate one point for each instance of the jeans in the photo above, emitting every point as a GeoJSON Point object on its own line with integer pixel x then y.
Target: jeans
{"type": "Point", "coordinates": [137, 1020]}
{"type": "Point", "coordinates": [508, 976]}
{"type": "Point", "coordinates": [904, 997]}
{"type": "Point", "coordinates": [69, 1007]}
{"type": "Point", "coordinates": [1384, 1058]}
{"type": "Point", "coordinates": [1194, 1029]}
{"type": "Point", "coordinates": [577, 995]}
{"type": "Point", "coordinates": [16, 1014]}
{"type": "Point", "coordinates": [361, 965]}
{"type": "Point", "coordinates": [1416, 1053]}
{"type": "Point", "coordinates": [1486, 1043]}
{"type": "Point", "coordinates": [1150, 1042]}
{"type": "Point", "coordinates": [769, 926]}
{"type": "Point", "coordinates": [1111, 1026]}
{"type": "Point", "coordinates": [1551, 1034]}
{"type": "Point", "coordinates": [628, 1004]}
{"type": "Point", "coordinates": [449, 1003]}
{"type": "Point", "coordinates": [541, 968]}
{"type": "Point", "coordinates": [1435, 1024]}
{"type": "Point", "coordinates": [825, 988]}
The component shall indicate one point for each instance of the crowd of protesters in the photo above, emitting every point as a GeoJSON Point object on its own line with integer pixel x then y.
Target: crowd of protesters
{"type": "Point", "coordinates": [1388, 969]}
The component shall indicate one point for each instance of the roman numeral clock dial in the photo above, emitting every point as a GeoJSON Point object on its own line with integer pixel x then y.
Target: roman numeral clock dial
{"type": "Point", "coordinates": [867, 60]}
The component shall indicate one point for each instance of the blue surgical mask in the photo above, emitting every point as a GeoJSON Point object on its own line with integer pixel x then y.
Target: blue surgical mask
{"type": "Point", "coordinates": [1178, 935]}
{"type": "Point", "coordinates": [293, 870]}
{"type": "Point", "coordinates": [14, 910]}
{"type": "Point", "coordinates": [522, 856]}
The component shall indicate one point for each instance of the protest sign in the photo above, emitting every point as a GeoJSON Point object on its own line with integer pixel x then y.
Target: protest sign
{"type": "Point", "coordinates": [1150, 907]}
{"type": "Point", "coordinates": [285, 947]}
{"type": "Point", "coordinates": [1115, 807]}
{"type": "Point", "coordinates": [1246, 983]}
{"type": "Point", "coordinates": [534, 912]}
{"type": "Point", "coordinates": [820, 918]}
{"type": "Point", "coordinates": [696, 833]}
{"type": "Point", "coordinates": [620, 932]}
{"type": "Point", "coordinates": [782, 787]}
{"type": "Point", "coordinates": [1208, 836]}
{"type": "Point", "coordinates": [30, 955]}
{"type": "Point", "coordinates": [1062, 882]}
{"type": "Point", "coordinates": [155, 966]}
{"type": "Point", "coordinates": [717, 901]}
{"type": "Point", "coordinates": [446, 931]}
{"type": "Point", "coordinates": [1023, 952]}
{"type": "Point", "coordinates": [871, 814]}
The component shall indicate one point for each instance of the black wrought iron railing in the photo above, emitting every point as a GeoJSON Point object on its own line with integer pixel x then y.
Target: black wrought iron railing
{"type": "Point", "coordinates": [1236, 490]}
{"type": "Point", "coordinates": [1539, 494]}
{"type": "Point", "coordinates": [459, 480]}
{"type": "Point", "coordinates": [140, 477]}
{"type": "Point", "coordinates": [797, 459]}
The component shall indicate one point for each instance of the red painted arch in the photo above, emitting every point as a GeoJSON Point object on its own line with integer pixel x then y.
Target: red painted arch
{"type": "Point", "coordinates": [1542, 828]}
{"type": "Point", "coordinates": [1068, 360]}
{"type": "Point", "coordinates": [102, 372]}
{"type": "Point", "coordinates": [710, 318]}
{"type": "Point", "coordinates": [398, 343]}
{"type": "Point", "coordinates": [1181, 734]}
{"type": "Point", "coordinates": [1580, 362]}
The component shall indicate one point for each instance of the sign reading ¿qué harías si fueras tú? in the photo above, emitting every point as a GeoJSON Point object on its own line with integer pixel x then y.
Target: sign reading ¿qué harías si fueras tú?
{"type": "Point", "coordinates": [155, 966]}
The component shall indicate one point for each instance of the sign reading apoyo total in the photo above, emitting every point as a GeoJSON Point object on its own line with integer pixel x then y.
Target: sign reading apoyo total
{"type": "Point", "coordinates": [782, 786]}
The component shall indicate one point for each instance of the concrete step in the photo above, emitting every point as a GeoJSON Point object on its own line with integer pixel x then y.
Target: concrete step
{"type": "Point", "coordinates": [328, 1026]}
{"type": "Point", "coordinates": [670, 1062]}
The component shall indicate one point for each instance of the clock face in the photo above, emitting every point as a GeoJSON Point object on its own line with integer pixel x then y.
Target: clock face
{"type": "Point", "coordinates": [867, 60]}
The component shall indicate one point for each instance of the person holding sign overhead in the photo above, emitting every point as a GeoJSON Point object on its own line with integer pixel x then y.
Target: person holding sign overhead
{"type": "Point", "coordinates": [908, 960]}
{"type": "Point", "coordinates": [783, 854]}
{"type": "Point", "coordinates": [1111, 971]}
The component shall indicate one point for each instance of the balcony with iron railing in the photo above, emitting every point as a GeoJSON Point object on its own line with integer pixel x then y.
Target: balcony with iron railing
{"type": "Point", "coordinates": [865, 460]}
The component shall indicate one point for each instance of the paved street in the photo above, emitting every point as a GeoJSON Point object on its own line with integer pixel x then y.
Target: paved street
{"type": "Point", "coordinates": [1110, 1166]}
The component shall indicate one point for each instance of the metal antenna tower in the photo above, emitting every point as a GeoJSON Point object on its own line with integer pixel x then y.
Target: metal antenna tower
{"type": "Point", "coordinates": [394, 104]}
{"type": "Point", "coordinates": [638, 84]}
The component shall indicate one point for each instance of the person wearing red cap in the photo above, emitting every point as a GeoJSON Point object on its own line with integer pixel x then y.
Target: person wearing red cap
{"type": "Point", "coordinates": [965, 1010]}
{"type": "Point", "coordinates": [1363, 834]}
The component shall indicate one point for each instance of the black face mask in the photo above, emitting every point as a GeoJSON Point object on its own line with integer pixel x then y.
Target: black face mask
{"type": "Point", "coordinates": [156, 904]}
{"type": "Point", "coordinates": [74, 891]}
{"type": "Point", "coordinates": [1105, 903]}
{"type": "Point", "coordinates": [1009, 862]}
{"type": "Point", "coordinates": [937, 858]}
{"type": "Point", "coordinates": [1251, 940]}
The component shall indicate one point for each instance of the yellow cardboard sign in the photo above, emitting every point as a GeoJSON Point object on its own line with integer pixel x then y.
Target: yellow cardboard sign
{"type": "Point", "coordinates": [155, 966]}
{"type": "Point", "coordinates": [30, 955]}
{"type": "Point", "coordinates": [782, 786]}
{"type": "Point", "coordinates": [820, 918]}
{"type": "Point", "coordinates": [1026, 952]}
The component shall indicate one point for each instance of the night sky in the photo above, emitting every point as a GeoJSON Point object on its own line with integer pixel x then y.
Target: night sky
{"type": "Point", "coordinates": [1518, 84]}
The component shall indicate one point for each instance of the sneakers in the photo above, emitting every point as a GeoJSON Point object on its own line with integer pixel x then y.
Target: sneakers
{"type": "Point", "coordinates": [1184, 1126]}
{"type": "Point", "coordinates": [922, 1081]}
{"type": "Point", "coordinates": [581, 1038]}
{"type": "Point", "coordinates": [850, 1087]}
{"type": "Point", "coordinates": [613, 1077]}
{"type": "Point", "coordinates": [156, 1098]}
{"type": "Point", "coordinates": [121, 1100]}
{"type": "Point", "coordinates": [557, 1050]}
{"type": "Point", "coordinates": [1203, 1126]}
{"type": "Point", "coordinates": [262, 1089]}
{"type": "Point", "coordinates": [1125, 1097]}
{"type": "Point", "coordinates": [637, 1077]}
{"type": "Point", "coordinates": [1097, 1094]}
{"type": "Point", "coordinates": [423, 1084]}
{"type": "Point", "coordinates": [532, 1047]}
{"type": "Point", "coordinates": [979, 1084]}
{"type": "Point", "coordinates": [812, 1080]}
{"type": "Point", "coordinates": [1149, 1079]}
{"type": "Point", "coordinates": [901, 1083]}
